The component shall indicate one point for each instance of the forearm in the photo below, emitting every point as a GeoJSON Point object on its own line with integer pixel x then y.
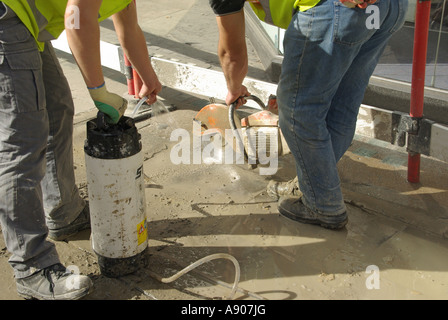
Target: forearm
{"type": "Point", "coordinates": [133, 43]}
{"type": "Point", "coordinates": [234, 66]}
{"type": "Point", "coordinates": [84, 42]}
{"type": "Point", "coordinates": [232, 52]}
{"type": "Point", "coordinates": [135, 49]}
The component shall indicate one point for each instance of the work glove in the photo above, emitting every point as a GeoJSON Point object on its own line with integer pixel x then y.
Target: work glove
{"type": "Point", "coordinates": [111, 104]}
{"type": "Point", "coordinates": [360, 3]}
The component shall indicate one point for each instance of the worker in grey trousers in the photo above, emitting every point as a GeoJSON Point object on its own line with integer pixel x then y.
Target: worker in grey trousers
{"type": "Point", "coordinates": [36, 152]}
{"type": "Point", "coordinates": [39, 197]}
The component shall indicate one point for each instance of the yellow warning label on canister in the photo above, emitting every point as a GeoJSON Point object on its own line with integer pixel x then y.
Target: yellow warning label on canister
{"type": "Point", "coordinates": [142, 232]}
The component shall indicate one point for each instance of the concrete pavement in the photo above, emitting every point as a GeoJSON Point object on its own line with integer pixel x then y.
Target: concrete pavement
{"type": "Point", "coordinates": [394, 247]}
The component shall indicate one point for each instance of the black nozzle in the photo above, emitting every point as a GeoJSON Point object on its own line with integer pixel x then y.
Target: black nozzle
{"type": "Point", "coordinates": [112, 141]}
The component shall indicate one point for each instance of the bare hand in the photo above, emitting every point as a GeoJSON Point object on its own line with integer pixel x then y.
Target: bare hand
{"type": "Point", "coordinates": [239, 95]}
{"type": "Point", "coordinates": [151, 90]}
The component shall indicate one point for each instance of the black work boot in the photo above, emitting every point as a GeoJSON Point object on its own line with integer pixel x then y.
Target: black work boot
{"type": "Point", "coordinates": [54, 283]}
{"type": "Point", "coordinates": [276, 189]}
{"type": "Point", "coordinates": [293, 208]}
{"type": "Point", "coordinates": [82, 222]}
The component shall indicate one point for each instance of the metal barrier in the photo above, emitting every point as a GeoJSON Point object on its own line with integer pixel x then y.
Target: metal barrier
{"type": "Point", "coordinates": [421, 32]}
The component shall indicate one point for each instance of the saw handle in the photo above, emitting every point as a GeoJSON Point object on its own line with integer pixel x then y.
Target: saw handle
{"type": "Point", "coordinates": [254, 98]}
{"type": "Point", "coordinates": [232, 120]}
{"type": "Point", "coordinates": [234, 104]}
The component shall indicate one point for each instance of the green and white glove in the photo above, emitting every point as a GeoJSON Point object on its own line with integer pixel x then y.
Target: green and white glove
{"type": "Point", "coordinates": [109, 103]}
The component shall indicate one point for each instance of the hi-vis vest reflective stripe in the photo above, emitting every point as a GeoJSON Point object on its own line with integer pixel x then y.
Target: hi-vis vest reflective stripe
{"type": "Point", "coordinates": [45, 18]}
{"type": "Point", "coordinates": [279, 12]}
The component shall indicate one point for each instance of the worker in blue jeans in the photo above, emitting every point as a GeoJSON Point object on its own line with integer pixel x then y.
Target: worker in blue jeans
{"type": "Point", "coordinates": [330, 53]}
{"type": "Point", "coordinates": [39, 197]}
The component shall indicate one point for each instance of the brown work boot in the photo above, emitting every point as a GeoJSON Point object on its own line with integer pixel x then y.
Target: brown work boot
{"type": "Point", "coordinates": [293, 208]}
{"type": "Point", "coordinates": [276, 189]}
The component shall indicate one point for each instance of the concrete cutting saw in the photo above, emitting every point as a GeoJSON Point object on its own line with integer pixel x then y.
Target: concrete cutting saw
{"type": "Point", "coordinates": [256, 136]}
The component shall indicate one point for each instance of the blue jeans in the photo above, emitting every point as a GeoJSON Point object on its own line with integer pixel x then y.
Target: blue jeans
{"type": "Point", "coordinates": [329, 56]}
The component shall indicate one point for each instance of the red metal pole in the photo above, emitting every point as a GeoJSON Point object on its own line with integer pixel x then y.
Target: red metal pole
{"type": "Point", "coordinates": [421, 30]}
{"type": "Point", "coordinates": [138, 83]}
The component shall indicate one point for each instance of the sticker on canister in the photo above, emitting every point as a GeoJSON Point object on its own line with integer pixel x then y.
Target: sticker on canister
{"type": "Point", "coordinates": [142, 232]}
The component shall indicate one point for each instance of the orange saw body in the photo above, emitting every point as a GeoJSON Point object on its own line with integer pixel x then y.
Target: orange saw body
{"type": "Point", "coordinates": [216, 119]}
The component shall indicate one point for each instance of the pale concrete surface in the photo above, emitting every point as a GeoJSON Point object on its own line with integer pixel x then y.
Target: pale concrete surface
{"type": "Point", "coordinates": [196, 210]}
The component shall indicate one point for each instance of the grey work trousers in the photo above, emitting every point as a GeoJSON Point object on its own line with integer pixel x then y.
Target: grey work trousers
{"type": "Point", "coordinates": [37, 181]}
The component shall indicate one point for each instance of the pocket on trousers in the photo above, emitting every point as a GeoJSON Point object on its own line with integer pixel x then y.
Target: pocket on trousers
{"type": "Point", "coordinates": [14, 34]}
{"type": "Point", "coordinates": [21, 82]}
{"type": "Point", "coordinates": [350, 25]}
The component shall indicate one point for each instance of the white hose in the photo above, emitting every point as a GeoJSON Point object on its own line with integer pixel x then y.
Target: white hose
{"type": "Point", "coordinates": [137, 107]}
{"type": "Point", "coordinates": [207, 259]}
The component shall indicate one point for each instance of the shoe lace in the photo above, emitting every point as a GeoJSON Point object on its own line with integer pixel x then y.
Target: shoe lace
{"type": "Point", "coordinates": [56, 271]}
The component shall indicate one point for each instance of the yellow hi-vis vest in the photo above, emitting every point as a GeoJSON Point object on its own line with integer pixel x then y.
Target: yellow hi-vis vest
{"type": "Point", "coordinates": [279, 12]}
{"type": "Point", "coordinates": [45, 18]}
